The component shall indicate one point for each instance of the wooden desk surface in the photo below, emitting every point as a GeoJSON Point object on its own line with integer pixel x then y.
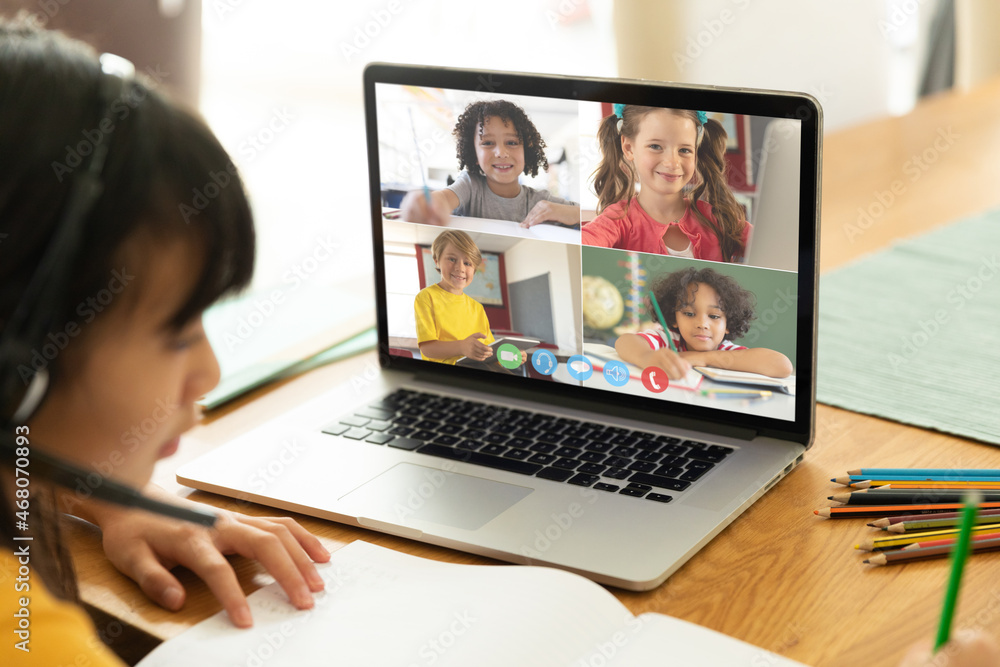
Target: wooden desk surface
{"type": "Point", "coordinates": [778, 577]}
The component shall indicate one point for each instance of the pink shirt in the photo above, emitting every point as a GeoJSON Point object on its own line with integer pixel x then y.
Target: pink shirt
{"type": "Point", "coordinates": [639, 232]}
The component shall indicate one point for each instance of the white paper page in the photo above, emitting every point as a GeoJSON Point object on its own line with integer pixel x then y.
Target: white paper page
{"type": "Point", "coordinates": [655, 639]}
{"type": "Point", "coordinates": [382, 607]}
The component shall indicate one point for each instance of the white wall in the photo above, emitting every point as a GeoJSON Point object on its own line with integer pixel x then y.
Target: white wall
{"type": "Point", "coordinates": [528, 259]}
{"type": "Point", "coordinates": [860, 58]}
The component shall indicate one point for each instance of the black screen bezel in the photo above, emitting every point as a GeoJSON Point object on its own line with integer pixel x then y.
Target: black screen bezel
{"type": "Point", "coordinates": [776, 104]}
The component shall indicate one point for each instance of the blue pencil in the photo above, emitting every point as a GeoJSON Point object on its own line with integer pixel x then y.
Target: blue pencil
{"type": "Point", "coordinates": [880, 473]}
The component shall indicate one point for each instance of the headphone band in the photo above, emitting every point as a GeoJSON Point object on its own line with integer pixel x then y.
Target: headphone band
{"type": "Point", "coordinates": [33, 315]}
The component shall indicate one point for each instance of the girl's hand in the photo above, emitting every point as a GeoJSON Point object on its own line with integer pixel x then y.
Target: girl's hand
{"type": "Point", "coordinates": [673, 363]}
{"type": "Point", "coordinates": [145, 547]}
{"type": "Point", "coordinates": [546, 211]}
{"type": "Point", "coordinates": [416, 208]}
{"type": "Point", "coordinates": [474, 348]}
{"type": "Point", "coordinates": [966, 649]}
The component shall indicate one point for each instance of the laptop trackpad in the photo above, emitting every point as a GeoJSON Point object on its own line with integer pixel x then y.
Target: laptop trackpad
{"type": "Point", "coordinates": [408, 492]}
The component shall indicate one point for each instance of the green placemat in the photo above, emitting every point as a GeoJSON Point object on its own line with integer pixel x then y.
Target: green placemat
{"type": "Point", "coordinates": [912, 333]}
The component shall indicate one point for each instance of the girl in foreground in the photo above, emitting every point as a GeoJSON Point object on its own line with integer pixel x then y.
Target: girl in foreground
{"type": "Point", "coordinates": [98, 172]}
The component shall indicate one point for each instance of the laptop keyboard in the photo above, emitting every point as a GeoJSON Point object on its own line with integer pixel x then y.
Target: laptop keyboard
{"type": "Point", "coordinates": [607, 458]}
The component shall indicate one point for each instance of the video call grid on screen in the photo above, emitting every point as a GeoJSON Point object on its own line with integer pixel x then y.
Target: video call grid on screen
{"type": "Point", "coordinates": [545, 283]}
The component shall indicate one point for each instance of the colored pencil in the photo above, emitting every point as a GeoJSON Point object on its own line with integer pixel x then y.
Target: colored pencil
{"type": "Point", "coordinates": [886, 479]}
{"type": "Point", "coordinates": [937, 523]}
{"type": "Point", "coordinates": [904, 555]}
{"type": "Point", "coordinates": [946, 541]}
{"type": "Point", "coordinates": [896, 541]}
{"type": "Point", "coordinates": [905, 497]}
{"type": "Point", "coordinates": [861, 511]}
{"type": "Point", "coordinates": [663, 322]}
{"type": "Point", "coordinates": [420, 159]}
{"type": "Point", "coordinates": [964, 486]}
{"type": "Point", "coordinates": [888, 521]}
{"type": "Point", "coordinates": [959, 556]}
{"type": "Point", "coordinates": [735, 393]}
{"type": "Point", "coordinates": [933, 472]}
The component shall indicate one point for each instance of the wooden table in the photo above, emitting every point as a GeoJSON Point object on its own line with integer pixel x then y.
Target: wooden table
{"type": "Point", "coordinates": [778, 577]}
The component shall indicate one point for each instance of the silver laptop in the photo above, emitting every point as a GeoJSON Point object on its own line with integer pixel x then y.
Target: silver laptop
{"type": "Point", "coordinates": [557, 452]}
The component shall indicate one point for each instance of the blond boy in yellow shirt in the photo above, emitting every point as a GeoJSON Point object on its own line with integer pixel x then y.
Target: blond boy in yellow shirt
{"type": "Point", "coordinates": [450, 323]}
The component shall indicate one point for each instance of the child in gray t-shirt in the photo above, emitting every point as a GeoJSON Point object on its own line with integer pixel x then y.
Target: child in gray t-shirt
{"type": "Point", "coordinates": [496, 143]}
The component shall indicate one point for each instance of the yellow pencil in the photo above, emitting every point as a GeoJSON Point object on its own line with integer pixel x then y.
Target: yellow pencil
{"type": "Point", "coordinates": [922, 536]}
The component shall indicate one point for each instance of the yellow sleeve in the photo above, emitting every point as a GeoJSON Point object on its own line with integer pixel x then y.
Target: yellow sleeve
{"type": "Point", "coordinates": [40, 629]}
{"type": "Point", "coordinates": [423, 309]}
{"type": "Point", "coordinates": [483, 324]}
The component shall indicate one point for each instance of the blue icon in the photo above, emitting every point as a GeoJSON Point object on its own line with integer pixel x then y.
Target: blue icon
{"type": "Point", "coordinates": [616, 373]}
{"type": "Point", "coordinates": [544, 361]}
{"type": "Point", "coordinates": [579, 367]}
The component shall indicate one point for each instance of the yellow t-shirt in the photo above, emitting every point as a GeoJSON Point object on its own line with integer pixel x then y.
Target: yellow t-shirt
{"type": "Point", "coordinates": [54, 632]}
{"type": "Point", "coordinates": [444, 316]}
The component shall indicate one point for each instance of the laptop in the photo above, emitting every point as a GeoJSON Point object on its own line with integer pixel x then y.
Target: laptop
{"type": "Point", "coordinates": [561, 457]}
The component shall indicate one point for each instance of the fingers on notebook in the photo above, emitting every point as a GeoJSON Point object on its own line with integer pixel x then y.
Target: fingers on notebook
{"type": "Point", "coordinates": [273, 544]}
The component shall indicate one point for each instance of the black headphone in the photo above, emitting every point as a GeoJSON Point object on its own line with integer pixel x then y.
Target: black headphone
{"type": "Point", "coordinates": [22, 387]}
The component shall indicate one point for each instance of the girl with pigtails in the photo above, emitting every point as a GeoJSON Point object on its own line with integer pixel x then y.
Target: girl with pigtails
{"type": "Point", "coordinates": [649, 157]}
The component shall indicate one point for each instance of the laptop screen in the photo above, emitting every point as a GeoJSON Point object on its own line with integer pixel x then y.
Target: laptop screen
{"type": "Point", "coordinates": [646, 244]}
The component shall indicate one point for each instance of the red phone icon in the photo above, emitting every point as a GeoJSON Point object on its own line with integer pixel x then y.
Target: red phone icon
{"type": "Point", "coordinates": [655, 379]}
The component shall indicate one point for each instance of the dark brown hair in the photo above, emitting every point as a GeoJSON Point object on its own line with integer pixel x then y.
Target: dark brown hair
{"type": "Point", "coordinates": [469, 126]}
{"type": "Point", "coordinates": [674, 291]}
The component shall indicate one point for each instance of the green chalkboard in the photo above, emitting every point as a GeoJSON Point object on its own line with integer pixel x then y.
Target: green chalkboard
{"type": "Point", "coordinates": [776, 293]}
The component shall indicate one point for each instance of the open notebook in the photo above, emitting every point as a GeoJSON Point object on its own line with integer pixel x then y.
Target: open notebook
{"type": "Point", "coordinates": [382, 607]}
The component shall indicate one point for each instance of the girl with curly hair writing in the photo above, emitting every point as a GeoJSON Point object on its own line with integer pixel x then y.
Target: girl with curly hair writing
{"type": "Point", "coordinates": [703, 310]}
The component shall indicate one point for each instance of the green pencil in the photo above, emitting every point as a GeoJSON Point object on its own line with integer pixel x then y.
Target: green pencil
{"type": "Point", "coordinates": [958, 558]}
{"type": "Point", "coordinates": [663, 321]}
